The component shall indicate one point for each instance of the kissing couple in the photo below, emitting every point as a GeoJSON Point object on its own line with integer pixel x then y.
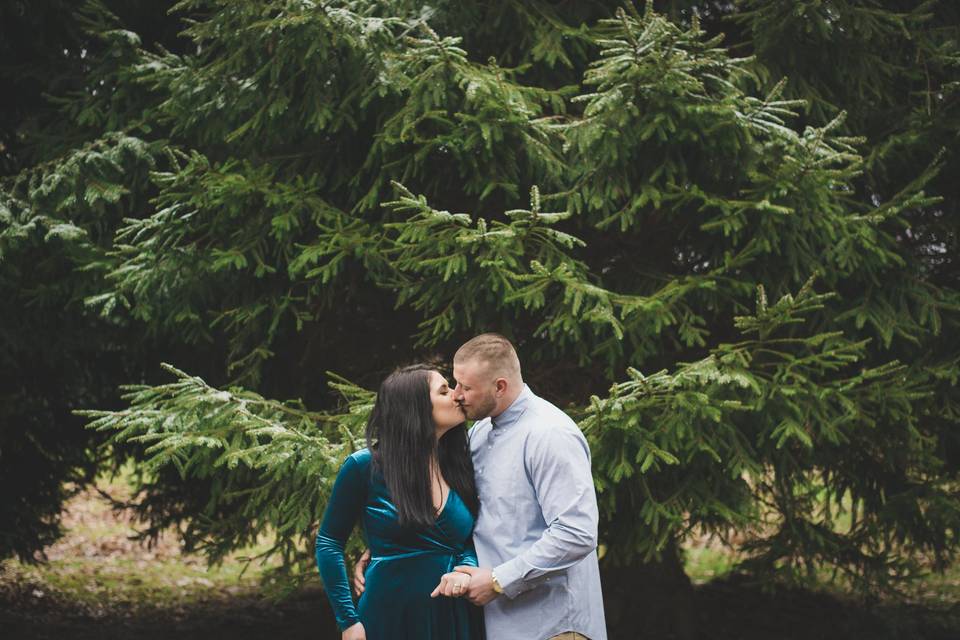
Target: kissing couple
{"type": "Point", "coordinates": [490, 533]}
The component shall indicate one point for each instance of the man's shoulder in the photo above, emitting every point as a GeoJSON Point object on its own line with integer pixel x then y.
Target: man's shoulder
{"type": "Point", "coordinates": [549, 428]}
{"type": "Point", "coordinates": [544, 416]}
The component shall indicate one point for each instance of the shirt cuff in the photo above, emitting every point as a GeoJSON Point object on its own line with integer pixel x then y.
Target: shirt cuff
{"type": "Point", "coordinates": [510, 577]}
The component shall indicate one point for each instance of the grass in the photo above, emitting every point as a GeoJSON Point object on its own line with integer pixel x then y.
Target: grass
{"type": "Point", "coordinates": [705, 562]}
{"type": "Point", "coordinates": [97, 565]}
{"type": "Point", "coordinates": [936, 590]}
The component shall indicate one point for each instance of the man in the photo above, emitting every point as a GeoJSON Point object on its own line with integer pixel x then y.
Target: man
{"type": "Point", "coordinates": [536, 534]}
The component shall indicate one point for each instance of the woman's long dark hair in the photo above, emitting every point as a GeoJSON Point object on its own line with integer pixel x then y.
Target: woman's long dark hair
{"type": "Point", "coordinates": [402, 437]}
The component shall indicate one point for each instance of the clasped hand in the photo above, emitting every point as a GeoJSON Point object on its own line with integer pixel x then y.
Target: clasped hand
{"type": "Point", "coordinates": [473, 583]}
{"type": "Point", "coordinates": [478, 588]}
{"type": "Point", "coordinates": [452, 585]}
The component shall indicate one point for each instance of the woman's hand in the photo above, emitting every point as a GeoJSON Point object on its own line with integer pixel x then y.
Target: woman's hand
{"type": "Point", "coordinates": [359, 569]}
{"type": "Point", "coordinates": [356, 632]}
{"type": "Point", "coordinates": [452, 585]}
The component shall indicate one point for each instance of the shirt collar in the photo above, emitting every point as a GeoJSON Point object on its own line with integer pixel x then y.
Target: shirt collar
{"type": "Point", "coordinates": [512, 413]}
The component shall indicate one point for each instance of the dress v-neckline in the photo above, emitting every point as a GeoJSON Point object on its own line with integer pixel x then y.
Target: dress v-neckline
{"type": "Point", "coordinates": [445, 503]}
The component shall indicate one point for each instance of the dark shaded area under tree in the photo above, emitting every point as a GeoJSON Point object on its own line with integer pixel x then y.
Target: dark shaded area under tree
{"type": "Point", "coordinates": [723, 610]}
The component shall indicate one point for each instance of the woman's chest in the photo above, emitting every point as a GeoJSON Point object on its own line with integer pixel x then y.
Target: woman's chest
{"type": "Point", "coordinates": [452, 527]}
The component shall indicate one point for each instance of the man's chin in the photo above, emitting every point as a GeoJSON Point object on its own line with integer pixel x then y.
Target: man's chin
{"type": "Point", "coordinates": [471, 415]}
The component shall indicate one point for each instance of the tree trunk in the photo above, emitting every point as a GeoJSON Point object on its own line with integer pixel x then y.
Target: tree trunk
{"type": "Point", "coordinates": [649, 601]}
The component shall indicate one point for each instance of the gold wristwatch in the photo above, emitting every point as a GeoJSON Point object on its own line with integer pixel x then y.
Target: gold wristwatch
{"type": "Point", "coordinates": [496, 583]}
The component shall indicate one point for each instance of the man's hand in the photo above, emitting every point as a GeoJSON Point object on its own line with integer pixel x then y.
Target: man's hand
{"type": "Point", "coordinates": [481, 590]}
{"type": "Point", "coordinates": [452, 585]}
{"type": "Point", "coordinates": [359, 580]}
{"type": "Point", "coordinates": [356, 632]}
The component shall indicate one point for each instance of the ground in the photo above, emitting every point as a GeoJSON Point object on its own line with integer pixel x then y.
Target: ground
{"type": "Point", "coordinates": [97, 583]}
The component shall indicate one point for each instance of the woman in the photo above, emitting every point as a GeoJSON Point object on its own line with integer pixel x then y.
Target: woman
{"type": "Point", "coordinates": [413, 490]}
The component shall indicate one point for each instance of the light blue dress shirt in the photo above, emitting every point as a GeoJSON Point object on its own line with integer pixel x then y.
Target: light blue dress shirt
{"type": "Point", "coordinates": [537, 527]}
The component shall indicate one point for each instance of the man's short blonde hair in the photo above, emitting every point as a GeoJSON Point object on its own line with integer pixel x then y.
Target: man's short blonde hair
{"type": "Point", "coordinates": [492, 351]}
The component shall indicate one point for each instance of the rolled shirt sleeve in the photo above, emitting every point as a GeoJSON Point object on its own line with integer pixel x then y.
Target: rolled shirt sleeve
{"type": "Point", "coordinates": [557, 462]}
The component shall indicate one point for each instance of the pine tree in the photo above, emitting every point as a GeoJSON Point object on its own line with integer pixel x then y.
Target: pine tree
{"type": "Point", "coordinates": [735, 270]}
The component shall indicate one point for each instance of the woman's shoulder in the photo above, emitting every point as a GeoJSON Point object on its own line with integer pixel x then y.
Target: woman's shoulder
{"type": "Point", "coordinates": [362, 458]}
{"type": "Point", "coordinates": [356, 467]}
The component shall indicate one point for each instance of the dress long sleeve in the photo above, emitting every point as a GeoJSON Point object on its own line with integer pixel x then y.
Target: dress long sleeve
{"type": "Point", "coordinates": [468, 557]}
{"type": "Point", "coordinates": [343, 509]}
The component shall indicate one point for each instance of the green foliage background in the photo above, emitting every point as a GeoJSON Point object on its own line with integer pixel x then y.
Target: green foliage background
{"type": "Point", "coordinates": [723, 235]}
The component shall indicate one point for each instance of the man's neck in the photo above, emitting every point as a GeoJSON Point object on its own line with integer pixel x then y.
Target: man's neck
{"type": "Point", "coordinates": [509, 400]}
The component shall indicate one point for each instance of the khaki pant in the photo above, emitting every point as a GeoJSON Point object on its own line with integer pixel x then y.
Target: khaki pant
{"type": "Point", "coordinates": [570, 635]}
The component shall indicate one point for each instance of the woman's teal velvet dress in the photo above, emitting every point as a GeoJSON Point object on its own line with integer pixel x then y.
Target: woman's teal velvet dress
{"type": "Point", "coordinates": [405, 565]}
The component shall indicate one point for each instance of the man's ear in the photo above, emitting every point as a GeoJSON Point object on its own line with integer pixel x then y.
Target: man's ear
{"type": "Point", "coordinates": [501, 385]}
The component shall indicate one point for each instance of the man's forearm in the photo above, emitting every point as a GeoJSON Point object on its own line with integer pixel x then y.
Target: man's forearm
{"type": "Point", "coordinates": [561, 546]}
